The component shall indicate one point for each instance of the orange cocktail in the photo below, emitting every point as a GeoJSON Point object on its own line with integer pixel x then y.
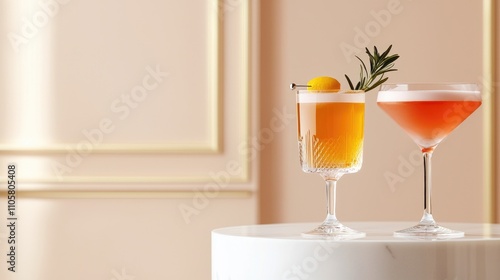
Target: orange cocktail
{"type": "Point", "coordinates": [330, 131]}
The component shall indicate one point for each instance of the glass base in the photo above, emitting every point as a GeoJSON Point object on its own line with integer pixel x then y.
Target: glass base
{"type": "Point", "coordinates": [426, 231]}
{"type": "Point", "coordinates": [335, 231]}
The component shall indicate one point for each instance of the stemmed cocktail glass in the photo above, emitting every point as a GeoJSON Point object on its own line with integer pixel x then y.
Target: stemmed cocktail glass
{"type": "Point", "coordinates": [428, 113]}
{"type": "Point", "coordinates": [330, 136]}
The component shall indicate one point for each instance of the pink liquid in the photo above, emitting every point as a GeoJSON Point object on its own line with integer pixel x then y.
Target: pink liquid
{"type": "Point", "coordinates": [429, 122]}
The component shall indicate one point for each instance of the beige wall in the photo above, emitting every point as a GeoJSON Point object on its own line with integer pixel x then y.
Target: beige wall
{"type": "Point", "coordinates": [213, 143]}
{"type": "Point", "coordinates": [130, 125]}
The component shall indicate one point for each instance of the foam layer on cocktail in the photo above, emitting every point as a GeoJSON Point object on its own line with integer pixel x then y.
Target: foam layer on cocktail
{"type": "Point", "coordinates": [428, 95]}
{"type": "Point", "coordinates": [325, 97]}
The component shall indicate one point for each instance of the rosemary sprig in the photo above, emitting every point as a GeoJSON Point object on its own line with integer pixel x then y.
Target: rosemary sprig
{"type": "Point", "coordinates": [379, 65]}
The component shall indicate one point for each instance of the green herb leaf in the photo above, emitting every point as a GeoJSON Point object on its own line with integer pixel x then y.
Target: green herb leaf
{"type": "Point", "coordinates": [379, 65]}
{"type": "Point", "coordinates": [349, 81]}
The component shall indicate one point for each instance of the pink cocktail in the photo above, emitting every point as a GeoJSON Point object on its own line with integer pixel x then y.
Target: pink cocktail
{"type": "Point", "coordinates": [428, 113]}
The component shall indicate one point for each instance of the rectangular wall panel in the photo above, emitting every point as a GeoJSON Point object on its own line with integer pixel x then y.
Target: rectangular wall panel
{"type": "Point", "coordinates": [127, 92]}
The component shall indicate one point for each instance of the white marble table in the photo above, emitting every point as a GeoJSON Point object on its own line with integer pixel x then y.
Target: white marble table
{"type": "Point", "coordinates": [277, 251]}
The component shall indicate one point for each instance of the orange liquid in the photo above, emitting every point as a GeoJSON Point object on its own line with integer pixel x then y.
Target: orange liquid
{"type": "Point", "coordinates": [429, 122]}
{"type": "Point", "coordinates": [330, 135]}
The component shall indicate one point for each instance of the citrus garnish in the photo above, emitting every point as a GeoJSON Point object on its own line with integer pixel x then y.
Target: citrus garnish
{"type": "Point", "coordinates": [323, 83]}
{"type": "Point", "coordinates": [379, 65]}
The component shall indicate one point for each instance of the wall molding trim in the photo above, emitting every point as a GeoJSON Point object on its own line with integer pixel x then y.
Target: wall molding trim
{"type": "Point", "coordinates": [490, 111]}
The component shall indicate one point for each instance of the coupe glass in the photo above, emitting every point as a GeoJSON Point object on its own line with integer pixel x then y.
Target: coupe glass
{"type": "Point", "coordinates": [330, 135]}
{"type": "Point", "coordinates": [428, 113]}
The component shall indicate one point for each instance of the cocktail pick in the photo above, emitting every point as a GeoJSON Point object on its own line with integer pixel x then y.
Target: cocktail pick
{"type": "Point", "coordinates": [294, 86]}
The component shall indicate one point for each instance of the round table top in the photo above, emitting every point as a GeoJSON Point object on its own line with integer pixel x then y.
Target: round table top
{"type": "Point", "coordinates": [375, 231]}
{"type": "Point", "coordinates": [279, 251]}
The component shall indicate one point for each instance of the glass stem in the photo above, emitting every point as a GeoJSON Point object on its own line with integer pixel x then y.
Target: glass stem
{"type": "Point", "coordinates": [427, 218]}
{"type": "Point", "coordinates": [331, 200]}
